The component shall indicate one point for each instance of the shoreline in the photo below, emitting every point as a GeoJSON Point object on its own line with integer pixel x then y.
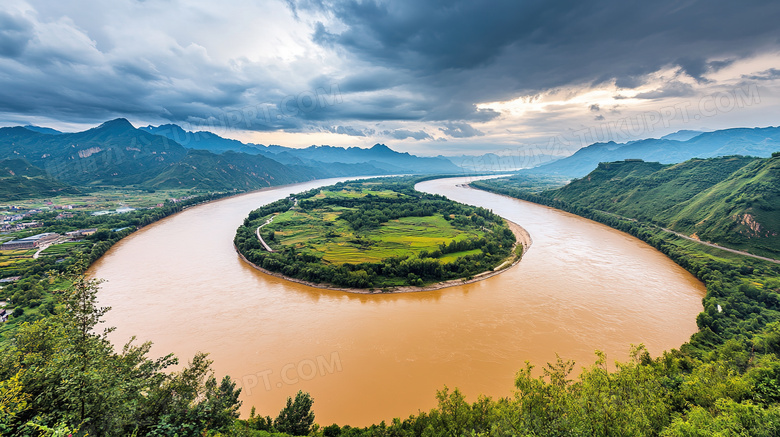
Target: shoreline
{"type": "Point", "coordinates": [521, 235]}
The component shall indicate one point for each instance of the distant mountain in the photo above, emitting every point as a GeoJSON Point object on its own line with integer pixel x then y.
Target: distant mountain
{"type": "Point", "coordinates": [43, 130]}
{"type": "Point", "coordinates": [491, 162]}
{"type": "Point", "coordinates": [201, 140]}
{"type": "Point", "coordinates": [21, 180]}
{"type": "Point", "coordinates": [333, 161]}
{"type": "Point", "coordinates": [117, 154]}
{"type": "Point", "coordinates": [682, 135]}
{"type": "Point", "coordinates": [734, 201]}
{"type": "Point", "coordinates": [760, 142]}
{"type": "Point", "coordinates": [379, 156]}
{"type": "Point", "coordinates": [114, 153]}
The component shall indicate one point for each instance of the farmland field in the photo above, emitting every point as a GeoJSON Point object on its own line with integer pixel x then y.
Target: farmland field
{"type": "Point", "coordinates": [321, 232]}
{"type": "Point", "coordinates": [375, 234]}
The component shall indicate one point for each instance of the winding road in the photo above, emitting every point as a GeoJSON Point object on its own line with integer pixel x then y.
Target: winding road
{"type": "Point", "coordinates": [265, 245]}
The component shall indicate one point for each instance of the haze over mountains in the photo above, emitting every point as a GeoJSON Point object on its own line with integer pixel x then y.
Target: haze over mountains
{"type": "Point", "coordinates": [678, 147]}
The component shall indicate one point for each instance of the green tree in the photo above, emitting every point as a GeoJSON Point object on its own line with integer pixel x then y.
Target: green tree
{"type": "Point", "coordinates": [297, 417]}
{"type": "Point", "coordinates": [61, 372]}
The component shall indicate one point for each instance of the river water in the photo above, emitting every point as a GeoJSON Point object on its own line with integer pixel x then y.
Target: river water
{"type": "Point", "coordinates": [366, 358]}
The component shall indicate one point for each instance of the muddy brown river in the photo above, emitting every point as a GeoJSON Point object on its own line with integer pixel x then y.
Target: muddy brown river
{"type": "Point", "coordinates": [366, 358]}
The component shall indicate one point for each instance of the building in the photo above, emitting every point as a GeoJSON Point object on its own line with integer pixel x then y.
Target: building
{"type": "Point", "coordinates": [81, 232]}
{"type": "Point", "coordinates": [30, 242]}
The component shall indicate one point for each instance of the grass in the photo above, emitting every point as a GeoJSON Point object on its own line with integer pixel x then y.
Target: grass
{"type": "Point", "coordinates": [98, 199]}
{"type": "Point", "coordinates": [322, 233]}
{"type": "Point", "coordinates": [10, 259]}
{"type": "Point", "coordinates": [63, 249]}
{"type": "Point", "coordinates": [355, 194]}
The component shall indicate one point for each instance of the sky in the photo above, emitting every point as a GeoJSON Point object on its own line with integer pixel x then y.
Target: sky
{"type": "Point", "coordinates": [427, 77]}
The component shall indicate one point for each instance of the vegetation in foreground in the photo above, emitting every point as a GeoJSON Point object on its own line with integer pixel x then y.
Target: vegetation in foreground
{"type": "Point", "coordinates": [374, 234]}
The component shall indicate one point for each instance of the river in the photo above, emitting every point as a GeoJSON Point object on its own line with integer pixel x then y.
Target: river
{"type": "Point", "coordinates": [366, 358]}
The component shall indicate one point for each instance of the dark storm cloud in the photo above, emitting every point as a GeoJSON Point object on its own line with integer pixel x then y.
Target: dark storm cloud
{"type": "Point", "coordinates": [466, 52]}
{"type": "Point", "coordinates": [403, 60]}
{"type": "Point", "coordinates": [15, 33]}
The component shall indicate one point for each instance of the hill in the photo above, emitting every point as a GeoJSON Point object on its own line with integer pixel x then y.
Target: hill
{"type": "Point", "coordinates": [21, 180]}
{"type": "Point", "coordinates": [43, 130]}
{"type": "Point", "coordinates": [117, 154]}
{"type": "Point", "coordinates": [760, 142]}
{"type": "Point", "coordinates": [202, 169]}
{"type": "Point", "coordinates": [114, 153]}
{"type": "Point", "coordinates": [733, 201]}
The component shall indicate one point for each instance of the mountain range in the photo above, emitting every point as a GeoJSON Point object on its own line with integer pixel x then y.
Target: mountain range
{"type": "Point", "coordinates": [378, 159]}
{"type": "Point", "coordinates": [674, 148]}
{"type": "Point", "coordinates": [117, 154]}
{"type": "Point", "coordinates": [167, 156]}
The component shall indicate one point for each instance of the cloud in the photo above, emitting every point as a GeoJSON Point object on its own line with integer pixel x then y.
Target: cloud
{"type": "Point", "coordinates": [670, 89]}
{"type": "Point", "coordinates": [351, 131]}
{"type": "Point", "coordinates": [461, 130]}
{"type": "Point", "coordinates": [314, 66]}
{"type": "Point", "coordinates": [520, 47]}
{"type": "Point", "coordinates": [15, 34]}
{"type": "Point", "coordinates": [769, 74]}
{"type": "Point", "coordinates": [400, 134]}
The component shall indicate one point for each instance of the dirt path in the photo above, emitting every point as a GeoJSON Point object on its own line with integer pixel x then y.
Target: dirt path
{"type": "Point", "coordinates": [738, 252]}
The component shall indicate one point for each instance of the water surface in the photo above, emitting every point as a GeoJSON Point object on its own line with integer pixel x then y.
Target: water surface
{"type": "Point", "coordinates": [366, 358]}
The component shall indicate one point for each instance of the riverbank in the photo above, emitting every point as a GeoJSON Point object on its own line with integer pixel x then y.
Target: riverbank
{"type": "Point", "coordinates": [521, 235]}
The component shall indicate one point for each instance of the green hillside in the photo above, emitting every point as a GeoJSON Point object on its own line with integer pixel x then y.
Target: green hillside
{"type": "Point", "coordinates": [202, 169]}
{"type": "Point", "coordinates": [733, 201]}
{"type": "Point", "coordinates": [21, 180]}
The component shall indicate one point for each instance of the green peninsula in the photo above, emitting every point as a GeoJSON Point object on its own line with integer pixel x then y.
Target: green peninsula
{"type": "Point", "coordinates": [375, 234]}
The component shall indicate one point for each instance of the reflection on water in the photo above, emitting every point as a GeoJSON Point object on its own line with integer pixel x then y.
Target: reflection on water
{"type": "Point", "coordinates": [367, 358]}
